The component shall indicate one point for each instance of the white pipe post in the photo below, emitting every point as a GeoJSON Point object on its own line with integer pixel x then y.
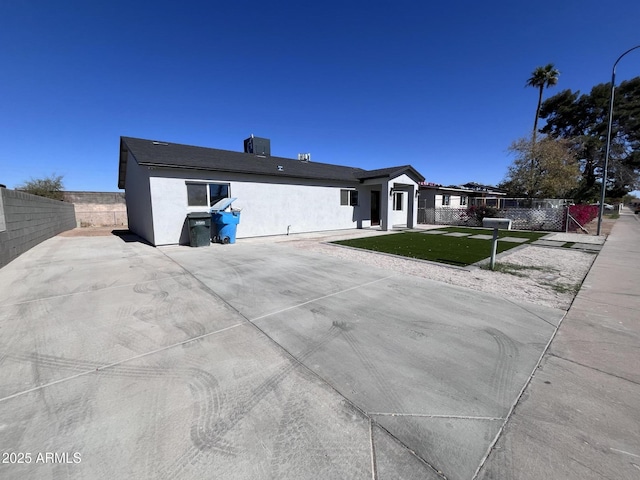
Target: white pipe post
{"type": "Point", "coordinates": [494, 249]}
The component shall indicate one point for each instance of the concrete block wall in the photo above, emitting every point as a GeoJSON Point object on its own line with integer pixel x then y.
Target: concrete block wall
{"type": "Point", "coordinates": [3, 223]}
{"type": "Point", "coordinates": [95, 209]}
{"type": "Point", "coordinates": [29, 220]}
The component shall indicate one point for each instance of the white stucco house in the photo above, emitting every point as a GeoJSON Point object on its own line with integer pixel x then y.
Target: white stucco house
{"type": "Point", "coordinates": [164, 182]}
{"type": "Point", "coordinates": [433, 195]}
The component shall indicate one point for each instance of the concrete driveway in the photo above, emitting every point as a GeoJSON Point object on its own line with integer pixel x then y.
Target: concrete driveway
{"type": "Point", "coordinates": [253, 360]}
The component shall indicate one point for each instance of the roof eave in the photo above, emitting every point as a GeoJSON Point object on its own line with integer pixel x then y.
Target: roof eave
{"type": "Point", "coordinates": [394, 174]}
{"type": "Point", "coordinates": [245, 172]}
{"type": "Point", "coordinates": [122, 164]}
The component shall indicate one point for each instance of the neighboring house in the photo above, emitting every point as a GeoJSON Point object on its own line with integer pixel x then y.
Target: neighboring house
{"type": "Point", "coordinates": [166, 181]}
{"type": "Point", "coordinates": [433, 195]}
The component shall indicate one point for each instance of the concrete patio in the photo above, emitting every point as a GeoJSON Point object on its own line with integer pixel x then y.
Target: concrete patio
{"type": "Point", "coordinates": [253, 360]}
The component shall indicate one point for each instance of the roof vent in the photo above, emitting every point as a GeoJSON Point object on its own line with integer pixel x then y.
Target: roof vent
{"type": "Point", "coordinates": [304, 157]}
{"type": "Point", "coordinates": [280, 168]}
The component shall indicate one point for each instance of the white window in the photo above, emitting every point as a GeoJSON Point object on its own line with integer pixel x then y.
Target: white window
{"type": "Point", "coordinates": [397, 200]}
{"type": "Point", "coordinates": [446, 200]}
{"type": "Point", "coordinates": [206, 194]}
{"type": "Point", "coordinates": [463, 200]}
{"type": "Point", "coordinates": [349, 197]}
{"type": "Point", "coordinates": [217, 191]}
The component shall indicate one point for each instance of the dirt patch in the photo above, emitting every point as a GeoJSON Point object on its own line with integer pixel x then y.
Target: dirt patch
{"type": "Point", "coordinates": [93, 232]}
{"type": "Point", "coordinates": [605, 228]}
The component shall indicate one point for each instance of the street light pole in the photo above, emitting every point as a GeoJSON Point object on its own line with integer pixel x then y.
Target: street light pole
{"type": "Point", "coordinates": [603, 188]}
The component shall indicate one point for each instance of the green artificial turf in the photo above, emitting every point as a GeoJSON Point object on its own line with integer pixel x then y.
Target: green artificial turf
{"type": "Point", "coordinates": [460, 251]}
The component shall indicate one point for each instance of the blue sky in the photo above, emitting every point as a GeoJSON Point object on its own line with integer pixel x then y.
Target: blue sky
{"type": "Point", "coordinates": [439, 85]}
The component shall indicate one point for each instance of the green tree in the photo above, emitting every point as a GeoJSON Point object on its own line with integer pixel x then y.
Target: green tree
{"type": "Point", "coordinates": [583, 121]}
{"type": "Point", "coordinates": [50, 187]}
{"type": "Point", "coordinates": [546, 169]}
{"type": "Point", "coordinates": [541, 78]}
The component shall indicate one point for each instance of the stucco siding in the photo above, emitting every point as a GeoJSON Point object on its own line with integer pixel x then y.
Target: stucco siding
{"type": "Point", "coordinates": [268, 209]}
{"type": "Point", "coordinates": [454, 201]}
{"type": "Point", "coordinates": [399, 217]}
{"type": "Point", "coordinates": [170, 209]}
{"type": "Point", "coordinates": [409, 213]}
{"type": "Point", "coordinates": [403, 179]}
{"type": "Point", "coordinates": [138, 198]}
{"type": "Point", "coordinates": [268, 206]}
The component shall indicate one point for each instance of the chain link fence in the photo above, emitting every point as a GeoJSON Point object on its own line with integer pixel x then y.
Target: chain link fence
{"type": "Point", "coordinates": [539, 219]}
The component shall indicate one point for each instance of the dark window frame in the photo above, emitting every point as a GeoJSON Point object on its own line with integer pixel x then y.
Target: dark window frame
{"type": "Point", "coordinates": [200, 194]}
{"type": "Point", "coordinates": [197, 195]}
{"type": "Point", "coordinates": [398, 201]}
{"type": "Point", "coordinates": [349, 198]}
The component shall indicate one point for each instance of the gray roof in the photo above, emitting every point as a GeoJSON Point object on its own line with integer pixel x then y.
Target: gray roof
{"type": "Point", "coordinates": [173, 155]}
{"type": "Point", "coordinates": [391, 172]}
{"type": "Point", "coordinates": [469, 188]}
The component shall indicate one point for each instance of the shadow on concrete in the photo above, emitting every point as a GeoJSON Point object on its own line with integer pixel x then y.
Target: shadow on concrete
{"type": "Point", "coordinates": [127, 236]}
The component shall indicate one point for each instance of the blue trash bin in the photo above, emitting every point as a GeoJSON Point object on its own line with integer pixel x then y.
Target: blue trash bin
{"type": "Point", "coordinates": [225, 223]}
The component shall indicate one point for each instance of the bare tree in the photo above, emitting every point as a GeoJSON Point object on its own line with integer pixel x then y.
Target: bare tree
{"type": "Point", "coordinates": [548, 169]}
{"type": "Point", "coordinates": [50, 187]}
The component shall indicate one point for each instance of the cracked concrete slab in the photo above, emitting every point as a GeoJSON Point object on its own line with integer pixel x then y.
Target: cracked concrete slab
{"type": "Point", "coordinates": [213, 406]}
{"type": "Point", "coordinates": [394, 461]}
{"type": "Point", "coordinates": [453, 446]}
{"type": "Point", "coordinates": [578, 418]}
{"type": "Point", "coordinates": [255, 360]}
{"type": "Point", "coordinates": [542, 441]}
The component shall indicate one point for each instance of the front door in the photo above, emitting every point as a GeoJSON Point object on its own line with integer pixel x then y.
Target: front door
{"type": "Point", "coordinates": [375, 207]}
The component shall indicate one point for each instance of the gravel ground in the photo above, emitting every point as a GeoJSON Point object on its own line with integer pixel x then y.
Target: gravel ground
{"type": "Point", "coordinates": [541, 275]}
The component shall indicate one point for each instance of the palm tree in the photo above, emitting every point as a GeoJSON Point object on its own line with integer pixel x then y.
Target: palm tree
{"type": "Point", "coordinates": [542, 77]}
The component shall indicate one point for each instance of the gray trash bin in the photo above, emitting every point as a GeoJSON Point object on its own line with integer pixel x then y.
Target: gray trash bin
{"type": "Point", "coordinates": [199, 229]}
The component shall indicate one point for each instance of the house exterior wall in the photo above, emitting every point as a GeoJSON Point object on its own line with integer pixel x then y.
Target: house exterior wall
{"type": "Point", "coordinates": [269, 206]}
{"type": "Point", "coordinates": [398, 217]}
{"type": "Point", "coordinates": [428, 197]}
{"type": "Point", "coordinates": [364, 204]}
{"type": "Point", "coordinates": [367, 187]}
{"type": "Point", "coordinates": [388, 216]}
{"type": "Point", "coordinates": [455, 200]}
{"type": "Point", "coordinates": [138, 198]}
{"type": "Point", "coordinates": [409, 214]}
{"type": "Point", "coordinates": [433, 198]}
